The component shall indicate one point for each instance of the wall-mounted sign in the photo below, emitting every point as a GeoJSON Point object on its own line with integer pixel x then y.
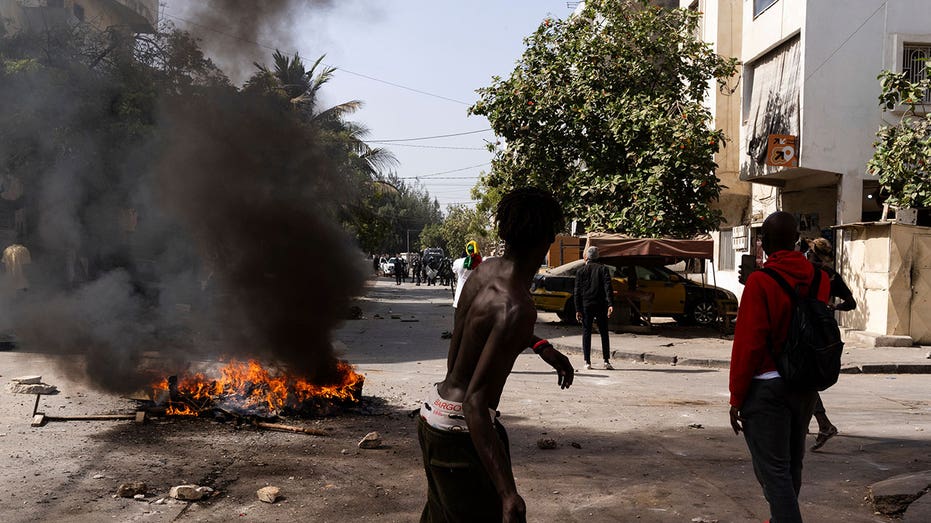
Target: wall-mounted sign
{"type": "Point", "coordinates": [782, 150]}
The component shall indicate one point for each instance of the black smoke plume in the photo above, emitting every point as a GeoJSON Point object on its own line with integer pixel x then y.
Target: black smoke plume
{"type": "Point", "coordinates": [252, 186]}
{"type": "Point", "coordinates": [171, 218]}
{"type": "Point", "coordinates": [231, 29]}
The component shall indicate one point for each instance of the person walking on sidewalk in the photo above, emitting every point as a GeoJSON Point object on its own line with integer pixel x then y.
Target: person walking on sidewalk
{"type": "Point", "coordinates": [773, 418]}
{"type": "Point", "coordinates": [821, 254]}
{"type": "Point", "coordinates": [465, 448]}
{"type": "Point", "coordinates": [594, 303]}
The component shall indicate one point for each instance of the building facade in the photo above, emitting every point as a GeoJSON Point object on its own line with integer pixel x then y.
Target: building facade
{"type": "Point", "coordinates": [808, 117]}
{"type": "Point", "coordinates": [135, 16]}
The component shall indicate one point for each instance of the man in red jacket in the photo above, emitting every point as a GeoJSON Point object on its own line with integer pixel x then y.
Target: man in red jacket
{"type": "Point", "coordinates": [773, 418]}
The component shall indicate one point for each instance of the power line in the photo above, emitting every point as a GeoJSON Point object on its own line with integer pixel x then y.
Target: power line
{"type": "Point", "coordinates": [842, 44]}
{"type": "Point", "coordinates": [431, 137]}
{"type": "Point", "coordinates": [466, 177]}
{"type": "Point", "coordinates": [347, 71]}
{"type": "Point", "coordinates": [418, 146]}
{"type": "Point", "coordinates": [444, 172]}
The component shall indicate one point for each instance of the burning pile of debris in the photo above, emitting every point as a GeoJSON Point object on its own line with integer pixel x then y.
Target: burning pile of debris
{"type": "Point", "coordinates": [248, 389]}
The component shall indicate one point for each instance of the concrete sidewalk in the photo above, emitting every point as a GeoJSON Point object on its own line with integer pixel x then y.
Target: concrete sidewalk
{"type": "Point", "coordinates": [671, 344]}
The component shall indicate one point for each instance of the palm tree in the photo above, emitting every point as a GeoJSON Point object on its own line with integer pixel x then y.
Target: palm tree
{"type": "Point", "coordinates": [301, 86]}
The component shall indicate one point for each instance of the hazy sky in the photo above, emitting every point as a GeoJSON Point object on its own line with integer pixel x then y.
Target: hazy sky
{"type": "Point", "coordinates": [444, 48]}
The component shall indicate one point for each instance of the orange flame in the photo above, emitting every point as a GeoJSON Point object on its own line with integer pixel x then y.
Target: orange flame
{"type": "Point", "coordinates": [249, 385]}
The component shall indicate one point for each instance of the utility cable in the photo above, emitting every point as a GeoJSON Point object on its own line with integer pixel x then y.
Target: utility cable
{"type": "Point", "coordinates": [347, 71]}
{"type": "Point", "coordinates": [842, 44]}
{"type": "Point", "coordinates": [431, 137]}
{"type": "Point", "coordinates": [430, 175]}
{"type": "Point", "coordinates": [393, 144]}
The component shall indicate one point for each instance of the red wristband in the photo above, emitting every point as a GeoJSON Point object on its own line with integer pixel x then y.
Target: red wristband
{"type": "Point", "coordinates": [537, 345]}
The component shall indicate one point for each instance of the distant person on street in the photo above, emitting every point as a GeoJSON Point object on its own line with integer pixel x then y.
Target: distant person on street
{"type": "Point", "coordinates": [416, 268]}
{"type": "Point", "coordinates": [594, 303]}
{"type": "Point", "coordinates": [773, 418]}
{"type": "Point", "coordinates": [821, 254]}
{"type": "Point", "coordinates": [463, 267]}
{"type": "Point", "coordinates": [398, 269]}
{"type": "Point", "coordinates": [465, 448]}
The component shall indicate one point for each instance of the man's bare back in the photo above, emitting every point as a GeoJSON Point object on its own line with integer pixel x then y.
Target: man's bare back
{"type": "Point", "coordinates": [494, 322]}
{"type": "Point", "coordinates": [493, 312]}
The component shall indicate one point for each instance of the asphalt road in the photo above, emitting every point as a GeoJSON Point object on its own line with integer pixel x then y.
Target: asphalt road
{"type": "Point", "coordinates": [629, 446]}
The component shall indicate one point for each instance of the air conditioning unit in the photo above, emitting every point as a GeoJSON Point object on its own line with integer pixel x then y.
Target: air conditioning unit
{"type": "Point", "coordinates": [741, 231]}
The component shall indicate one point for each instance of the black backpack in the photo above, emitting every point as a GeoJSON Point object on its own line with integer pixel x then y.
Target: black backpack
{"type": "Point", "coordinates": [810, 359]}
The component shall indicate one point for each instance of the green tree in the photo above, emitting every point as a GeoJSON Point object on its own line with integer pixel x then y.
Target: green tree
{"type": "Point", "coordinates": [902, 152]}
{"type": "Point", "coordinates": [606, 110]}
{"type": "Point", "coordinates": [460, 225]}
{"type": "Point", "coordinates": [370, 213]}
{"type": "Point", "coordinates": [392, 213]}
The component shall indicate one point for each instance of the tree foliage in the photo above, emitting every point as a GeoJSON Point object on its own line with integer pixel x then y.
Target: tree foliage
{"type": "Point", "coordinates": [460, 225]}
{"type": "Point", "coordinates": [605, 109]}
{"type": "Point", "coordinates": [93, 104]}
{"type": "Point", "coordinates": [902, 155]}
{"type": "Point", "coordinates": [392, 213]}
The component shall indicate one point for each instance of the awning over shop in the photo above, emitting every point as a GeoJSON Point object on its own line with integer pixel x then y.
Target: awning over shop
{"type": "Point", "coordinates": [618, 245]}
{"type": "Point", "coordinates": [793, 179]}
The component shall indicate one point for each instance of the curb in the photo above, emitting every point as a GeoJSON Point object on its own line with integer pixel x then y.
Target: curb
{"type": "Point", "coordinates": [674, 360]}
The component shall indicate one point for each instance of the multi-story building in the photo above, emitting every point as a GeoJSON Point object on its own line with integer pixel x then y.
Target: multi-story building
{"type": "Point", "coordinates": [721, 27]}
{"type": "Point", "coordinates": [808, 118]}
{"type": "Point", "coordinates": [138, 16]}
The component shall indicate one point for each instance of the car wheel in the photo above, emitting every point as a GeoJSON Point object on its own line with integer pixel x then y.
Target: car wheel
{"type": "Point", "coordinates": [568, 313]}
{"type": "Point", "coordinates": [704, 313]}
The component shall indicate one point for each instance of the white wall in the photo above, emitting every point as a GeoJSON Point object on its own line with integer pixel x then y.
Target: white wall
{"type": "Point", "coordinates": [845, 49]}
{"type": "Point", "coordinates": [840, 113]}
{"type": "Point", "coordinates": [774, 26]}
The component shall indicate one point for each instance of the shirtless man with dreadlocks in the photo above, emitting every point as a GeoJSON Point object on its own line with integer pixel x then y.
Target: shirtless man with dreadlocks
{"type": "Point", "coordinates": [465, 448]}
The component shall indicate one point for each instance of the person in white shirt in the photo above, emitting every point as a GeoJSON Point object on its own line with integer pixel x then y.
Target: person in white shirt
{"type": "Point", "coordinates": [463, 267]}
{"type": "Point", "coordinates": [15, 258]}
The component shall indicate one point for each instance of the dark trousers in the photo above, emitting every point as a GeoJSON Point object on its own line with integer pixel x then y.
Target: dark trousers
{"type": "Point", "coordinates": [590, 314]}
{"type": "Point", "coordinates": [819, 406]}
{"type": "Point", "coordinates": [775, 426]}
{"type": "Point", "coordinates": [458, 487]}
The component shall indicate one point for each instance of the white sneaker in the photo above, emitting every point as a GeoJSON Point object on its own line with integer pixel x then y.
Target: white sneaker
{"type": "Point", "coordinates": [608, 366]}
{"type": "Point", "coordinates": [588, 366]}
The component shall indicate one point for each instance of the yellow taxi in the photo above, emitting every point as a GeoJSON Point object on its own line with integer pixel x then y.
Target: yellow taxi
{"type": "Point", "coordinates": [674, 296]}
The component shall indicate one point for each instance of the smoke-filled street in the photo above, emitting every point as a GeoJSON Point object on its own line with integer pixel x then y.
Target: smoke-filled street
{"type": "Point", "coordinates": [608, 260]}
{"type": "Point", "coordinates": [641, 443]}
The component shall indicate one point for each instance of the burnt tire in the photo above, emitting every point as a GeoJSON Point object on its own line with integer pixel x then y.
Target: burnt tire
{"type": "Point", "coordinates": [704, 313]}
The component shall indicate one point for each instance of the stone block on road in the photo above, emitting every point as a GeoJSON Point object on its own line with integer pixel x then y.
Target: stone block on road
{"type": "Point", "coordinates": [893, 495]}
{"type": "Point", "coordinates": [919, 511]}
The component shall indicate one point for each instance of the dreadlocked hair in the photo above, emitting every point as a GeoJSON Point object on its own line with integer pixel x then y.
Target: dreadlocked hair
{"type": "Point", "coordinates": [528, 216]}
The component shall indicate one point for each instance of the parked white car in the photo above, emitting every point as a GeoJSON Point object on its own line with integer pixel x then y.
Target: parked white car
{"type": "Point", "coordinates": [387, 266]}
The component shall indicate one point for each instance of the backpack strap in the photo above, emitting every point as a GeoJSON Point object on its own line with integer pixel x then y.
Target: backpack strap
{"type": "Point", "coordinates": [782, 282]}
{"type": "Point", "coordinates": [815, 284]}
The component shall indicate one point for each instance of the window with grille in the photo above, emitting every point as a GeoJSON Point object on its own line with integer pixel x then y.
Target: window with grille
{"type": "Point", "coordinates": [914, 64]}
{"type": "Point", "coordinates": [726, 250]}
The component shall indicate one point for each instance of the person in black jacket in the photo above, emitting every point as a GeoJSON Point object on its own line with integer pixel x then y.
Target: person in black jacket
{"type": "Point", "coordinates": [593, 302]}
{"type": "Point", "coordinates": [821, 254]}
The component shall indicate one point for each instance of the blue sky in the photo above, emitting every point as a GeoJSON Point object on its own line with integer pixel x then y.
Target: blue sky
{"type": "Point", "coordinates": [448, 49]}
